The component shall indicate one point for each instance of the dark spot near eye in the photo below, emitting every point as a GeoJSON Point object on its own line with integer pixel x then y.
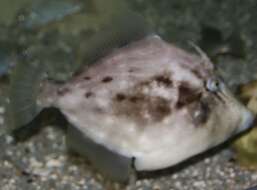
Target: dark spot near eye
{"type": "Point", "coordinates": [87, 78]}
{"type": "Point", "coordinates": [120, 97]}
{"type": "Point", "coordinates": [107, 79]}
{"type": "Point", "coordinates": [163, 109]}
{"type": "Point", "coordinates": [63, 91]}
{"type": "Point", "coordinates": [200, 113]}
{"type": "Point", "coordinates": [135, 99]}
{"type": "Point", "coordinates": [89, 94]}
{"type": "Point", "coordinates": [162, 79]}
{"type": "Point", "coordinates": [187, 95]}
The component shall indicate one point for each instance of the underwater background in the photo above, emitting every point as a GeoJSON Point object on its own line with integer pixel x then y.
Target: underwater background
{"type": "Point", "coordinates": [54, 32]}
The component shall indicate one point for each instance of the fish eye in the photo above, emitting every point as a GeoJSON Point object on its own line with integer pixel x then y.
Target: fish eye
{"type": "Point", "coordinates": [213, 85]}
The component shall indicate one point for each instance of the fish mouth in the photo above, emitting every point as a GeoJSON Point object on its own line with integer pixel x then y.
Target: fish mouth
{"type": "Point", "coordinates": [248, 119]}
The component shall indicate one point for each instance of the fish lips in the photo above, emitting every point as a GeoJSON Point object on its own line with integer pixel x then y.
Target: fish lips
{"type": "Point", "coordinates": [247, 122]}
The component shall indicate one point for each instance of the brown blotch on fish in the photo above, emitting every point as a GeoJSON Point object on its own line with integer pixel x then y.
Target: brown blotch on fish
{"type": "Point", "coordinates": [120, 97]}
{"type": "Point", "coordinates": [89, 94]}
{"type": "Point", "coordinates": [199, 112]}
{"type": "Point", "coordinates": [135, 99]}
{"type": "Point", "coordinates": [143, 108]}
{"type": "Point", "coordinates": [205, 112]}
{"type": "Point", "coordinates": [107, 79]}
{"type": "Point", "coordinates": [187, 95]}
{"type": "Point", "coordinates": [87, 78]}
{"type": "Point", "coordinates": [163, 79]}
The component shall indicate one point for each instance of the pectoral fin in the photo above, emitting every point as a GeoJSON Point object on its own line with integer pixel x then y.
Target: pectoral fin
{"type": "Point", "coordinates": [24, 88]}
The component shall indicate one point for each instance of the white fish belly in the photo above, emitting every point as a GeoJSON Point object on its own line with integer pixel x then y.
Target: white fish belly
{"type": "Point", "coordinates": [154, 146]}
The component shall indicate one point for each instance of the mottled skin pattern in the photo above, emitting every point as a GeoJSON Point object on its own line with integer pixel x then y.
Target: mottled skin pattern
{"type": "Point", "coordinates": [153, 102]}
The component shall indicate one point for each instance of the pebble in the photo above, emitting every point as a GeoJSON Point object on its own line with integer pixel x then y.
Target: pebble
{"type": "Point", "coordinates": [53, 163]}
{"type": "Point", "coordinates": [254, 177]}
{"type": "Point", "coordinates": [9, 139]}
{"type": "Point", "coordinates": [178, 184]}
{"type": "Point", "coordinates": [199, 184]}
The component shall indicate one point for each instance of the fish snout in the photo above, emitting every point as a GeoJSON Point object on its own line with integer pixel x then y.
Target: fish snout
{"type": "Point", "coordinates": [247, 121]}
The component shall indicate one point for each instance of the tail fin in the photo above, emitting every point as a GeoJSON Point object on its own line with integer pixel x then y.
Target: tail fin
{"type": "Point", "coordinates": [23, 92]}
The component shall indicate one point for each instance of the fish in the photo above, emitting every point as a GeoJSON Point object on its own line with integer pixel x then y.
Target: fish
{"type": "Point", "coordinates": [152, 103]}
{"type": "Point", "coordinates": [143, 105]}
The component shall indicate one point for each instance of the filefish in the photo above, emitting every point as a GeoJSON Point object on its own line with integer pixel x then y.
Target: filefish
{"type": "Point", "coordinates": [142, 105]}
{"type": "Point", "coordinates": [151, 103]}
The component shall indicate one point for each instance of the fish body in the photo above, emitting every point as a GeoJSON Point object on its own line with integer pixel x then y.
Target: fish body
{"type": "Point", "coordinates": [152, 102]}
